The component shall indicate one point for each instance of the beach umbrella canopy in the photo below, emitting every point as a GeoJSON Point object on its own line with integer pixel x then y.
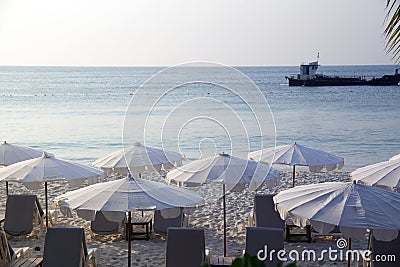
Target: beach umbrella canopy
{"type": "Point", "coordinates": [46, 168]}
{"type": "Point", "coordinates": [352, 206]}
{"type": "Point", "coordinates": [10, 154]}
{"type": "Point", "coordinates": [383, 174]}
{"type": "Point", "coordinates": [115, 198]}
{"type": "Point", "coordinates": [396, 157]}
{"type": "Point", "coordinates": [232, 172]}
{"type": "Point", "coordinates": [298, 155]}
{"type": "Point", "coordinates": [137, 158]}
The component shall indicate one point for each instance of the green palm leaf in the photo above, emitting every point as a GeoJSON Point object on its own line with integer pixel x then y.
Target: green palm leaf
{"type": "Point", "coordinates": [392, 29]}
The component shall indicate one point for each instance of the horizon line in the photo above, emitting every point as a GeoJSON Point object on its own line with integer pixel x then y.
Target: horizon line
{"type": "Point", "coordinates": [167, 66]}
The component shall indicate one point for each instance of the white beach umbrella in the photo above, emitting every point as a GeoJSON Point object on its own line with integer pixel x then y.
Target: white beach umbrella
{"type": "Point", "coordinates": [227, 170]}
{"type": "Point", "coordinates": [10, 154]}
{"type": "Point", "coordinates": [352, 206]}
{"type": "Point", "coordinates": [46, 168]}
{"type": "Point", "coordinates": [115, 198]}
{"type": "Point", "coordinates": [298, 155]}
{"type": "Point", "coordinates": [383, 174]}
{"type": "Point", "coordinates": [137, 158]}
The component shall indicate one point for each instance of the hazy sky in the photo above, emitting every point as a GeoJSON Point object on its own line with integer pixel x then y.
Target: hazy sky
{"type": "Point", "coordinates": [169, 32]}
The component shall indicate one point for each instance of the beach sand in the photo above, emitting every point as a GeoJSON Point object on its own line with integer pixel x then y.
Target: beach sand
{"type": "Point", "coordinates": [112, 249]}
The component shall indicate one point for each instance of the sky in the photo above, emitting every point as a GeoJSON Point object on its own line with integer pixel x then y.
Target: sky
{"type": "Point", "coordinates": [170, 32]}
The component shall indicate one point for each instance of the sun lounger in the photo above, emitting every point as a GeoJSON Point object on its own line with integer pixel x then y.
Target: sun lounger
{"type": "Point", "coordinates": [384, 250]}
{"type": "Point", "coordinates": [9, 254]}
{"type": "Point", "coordinates": [264, 213]}
{"type": "Point", "coordinates": [102, 226]}
{"type": "Point", "coordinates": [162, 224]}
{"type": "Point", "coordinates": [185, 247]}
{"type": "Point", "coordinates": [260, 238]}
{"type": "Point", "coordinates": [23, 212]}
{"type": "Point", "coordinates": [66, 247]}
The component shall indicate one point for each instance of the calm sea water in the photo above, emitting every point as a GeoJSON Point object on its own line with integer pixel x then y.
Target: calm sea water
{"type": "Point", "coordinates": [78, 113]}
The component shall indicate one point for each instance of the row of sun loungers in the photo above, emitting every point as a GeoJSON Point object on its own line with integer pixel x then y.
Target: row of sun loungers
{"type": "Point", "coordinates": [23, 213]}
{"type": "Point", "coordinates": [185, 246]}
{"type": "Point", "coordinates": [101, 226]}
{"type": "Point", "coordinates": [63, 247]}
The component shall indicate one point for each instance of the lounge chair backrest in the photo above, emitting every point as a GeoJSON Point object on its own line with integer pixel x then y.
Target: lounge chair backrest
{"type": "Point", "coordinates": [385, 248]}
{"type": "Point", "coordinates": [20, 213]}
{"type": "Point", "coordinates": [265, 213]}
{"type": "Point", "coordinates": [259, 237]}
{"type": "Point", "coordinates": [185, 247]}
{"type": "Point", "coordinates": [64, 247]}
{"type": "Point", "coordinates": [5, 250]}
{"type": "Point", "coordinates": [162, 224]}
{"type": "Point", "coordinates": [102, 226]}
{"type": "Point", "coordinates": [39, 207]}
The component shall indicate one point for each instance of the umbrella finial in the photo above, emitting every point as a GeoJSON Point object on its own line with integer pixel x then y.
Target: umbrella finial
{"type": "Point", "coordinates": [45, 155]}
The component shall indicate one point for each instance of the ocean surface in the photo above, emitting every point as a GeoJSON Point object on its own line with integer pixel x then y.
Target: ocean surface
{"type": "Point", "coordinates": [78, 113]}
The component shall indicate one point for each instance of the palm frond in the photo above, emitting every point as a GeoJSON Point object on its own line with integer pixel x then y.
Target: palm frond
{"type": "Point", "coordinates": [392, 29]}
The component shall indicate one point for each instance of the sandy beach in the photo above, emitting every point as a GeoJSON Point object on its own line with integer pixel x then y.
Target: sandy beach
{"type": "Point", "coordinates": [112, 249]}
{"type": "Point", "coordinates": [84, 80]}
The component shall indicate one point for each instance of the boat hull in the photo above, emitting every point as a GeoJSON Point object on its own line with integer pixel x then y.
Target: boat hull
{"type": "Point", "coordinates": [385, 80]}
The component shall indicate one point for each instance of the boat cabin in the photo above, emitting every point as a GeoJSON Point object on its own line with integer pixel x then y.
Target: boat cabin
{"type": "Point", "coordinates": [308, 70]}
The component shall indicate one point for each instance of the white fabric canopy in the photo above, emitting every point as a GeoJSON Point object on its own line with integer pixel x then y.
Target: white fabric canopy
{"type": "Point", "coordinates": [138, 158]}
{"type": "Point", "coordinates": [115, 198]}
{"type": "Point", "coordinates": [351, 206]}
{"type": "Point", "coordinates": [298, 155]}
{"type": "Point", "coordinates": [397, 157]}
{"type": "Point", "coordinates": [383, 174]}
{"type": "Point", "coordinates": [10, 154]}
{"type": "Point", "coordinates": [295, 154]}
{"type": "Point", "coordinates": [232, 171]}
{"type": "Point", "coordinates": [33, 172]}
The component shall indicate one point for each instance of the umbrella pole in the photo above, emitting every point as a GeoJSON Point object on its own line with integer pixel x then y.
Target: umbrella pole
{"type": "Point", "coordinates": [129, 238]}
{"type": "Point", "coordinates": [348, 248]}
{"type": "Point", "coordinates": [223, 196]}
{"type": "Point", "coordinates": [46, 203]}
{"type": "Point", "coordinates": [7, 188]}
{"type": "Point", "coordinates": [369, 240]}
{"type": "Point", "coordinates": [294, 173]}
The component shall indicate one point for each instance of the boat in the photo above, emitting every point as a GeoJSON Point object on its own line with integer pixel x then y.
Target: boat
{"type": "Point", "coordinates": [308, 77]}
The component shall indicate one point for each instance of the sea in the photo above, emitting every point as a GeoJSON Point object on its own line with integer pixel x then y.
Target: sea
{"type": "Point", "coordinates": [83, 113]}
